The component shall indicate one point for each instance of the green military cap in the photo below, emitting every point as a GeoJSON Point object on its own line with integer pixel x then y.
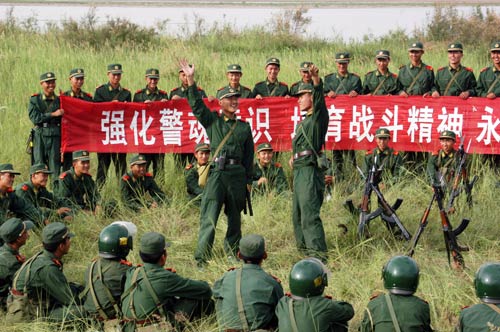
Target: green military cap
{"type": "Point", "coordinates": [304, 66]}
{"type": "Point", "coordinates": [382, 54]}
{"type": "Point", "coordinates": [416, 46]}
{"type": "Point", "coordinates": [138, 159]}
{"type": "Point", "coordinates": [8, 168]}
{"type": "Point", "coordinates": [153, 73]}
{"type": "Point", "coordinates": [273, 61]}
{"type": "Point", "coordinates": [448, 134]}
{"type": "Point", "coordinates": [81, 155]}
{"type": "Point", "coordinates": [228, 92]}
{"type": "Point", "coordinates": [55, 232]}
{"type": "Point", "coordinates": [202, 147]}
{"type": "Point", "coordinates": [264, 146]}
{"type": "Point", "coordinates": [342, 57]}
{"type": "Point", "coordinates": [252, 246]}
{"type": "Point", "coordinates": [304, 88]}
{"type": "Point", "coordinates": [495, 46]}
{"type": "Point", "coordinates": [14, 228]}
{"type": "Point", "coordinates": [383, 133]}
{"type": "Point", "coordinates": [234, 68]}
{"type": "Point", "coordinates": [115, 68]}
{"type": "Point", "coordinates": [455, 47]}
{"type": "Point", "coordinates": [153, 243]}
{"type": "Point", "coordinates": [48, 76]}
{"type": "Point", "coordinates": [76, 72]}
{"type": "Point", "coordinates": [39, 168]}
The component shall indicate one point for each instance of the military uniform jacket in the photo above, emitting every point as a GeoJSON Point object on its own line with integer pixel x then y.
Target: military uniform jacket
{"type": "Point", "coordinates": [489, 82]}
{"type": "Point", "coordinates": [315, 126]}
{"type": "Point", "coordinates": [239, 146]}
{"type": "Point", "coordinates": [39, 110]}
{"type": "Point", "coordinates": [133, 191]}
{"type": "Point", "coordinates": [142, 95]}
{"type": "Point", "coordinates": [412, 313]}
{"type": "Point", "coordinates": [106, 92]}
{"type": "Point", "coordinates": [243, 90]}
{"type": "Point", "coordinates": [260, 293]}
{"type": "Point", "coordinates": [317, 313]}
{"type": "Point", "coordinates": [42, 199]}
{"type": "Point", "coordinates": [168, 286]}
{"type": "Point", "coordinates": [275, 176]}
{"type": "Point", "coordinates": [112, 278]}
{"type": "Point", "coordinates": [268, 89]}
{"type": "Point", "coordinates": [389, 159]}
{"type": "Point", "coordinates": [342, 85]}
{"type": "Point", "coordinates": [10, 204]}
{"type": "Point", "coordinates": [47, 284]}
{"type": "Point", "coordinates": [479, 318]}
{"type": "Point", "coordinates": [441, 164]}
{"type": "Point", "coordinates": [82, 95]}
{"type": "Point", "coordinates": [80, 192]}
{"type": "Point", "coordinates": [181, 91]}
{"type": "Point", "coordinates": [416, 80]}
{"type": "Point", "coordinates": [10, 262]}
{"type": "Point", "coordinates": [191, 175]}
{"type": "Point", "coordinates": [464, 80]}
{"type": "Point", "coordinates": [294, 88]}
{"type": "Point", "coordinates": [379, 84]}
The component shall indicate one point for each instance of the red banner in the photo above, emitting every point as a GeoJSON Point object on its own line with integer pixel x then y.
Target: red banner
{"type": "Point", "coordinates": [414, 122]}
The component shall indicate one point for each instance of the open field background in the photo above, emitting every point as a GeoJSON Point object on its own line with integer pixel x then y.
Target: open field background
{"type": "Point", "coordinates": [356, 266]}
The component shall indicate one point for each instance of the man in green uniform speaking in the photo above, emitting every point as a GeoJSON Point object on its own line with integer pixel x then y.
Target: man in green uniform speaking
{"type": "Point", "coordinates": [229, 179]}
{"type": "Point", "coordinates": [308, 179]}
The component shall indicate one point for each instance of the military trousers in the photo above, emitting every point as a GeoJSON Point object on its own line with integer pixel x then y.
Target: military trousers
{"type": "Point", "coordinates": [47, 148]}
{"type": "Point", "coordinates": [308, 193]}
{"type": "Point", "coordinates": [228, 188]}
{"type": "Point", "coordinates": [104, 161]}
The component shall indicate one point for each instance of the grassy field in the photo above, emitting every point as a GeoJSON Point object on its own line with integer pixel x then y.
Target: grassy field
{"type": "Point", "coordinates": [356, 266]}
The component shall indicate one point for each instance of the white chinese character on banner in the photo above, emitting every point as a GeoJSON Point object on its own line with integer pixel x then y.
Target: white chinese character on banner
{"type": "Point", "coordinates": [420, 120]}
{"type": "Point", "coordinates": [390, 118]}
{"type": "Point", "coordinates": [171, 126]}
{"type": "Point", "coordinates": [296, 118]}
{"type": "Point", "coordinates": [145, 124]}
{"type": "Point", "coordinates": [261, 123]}
{"type": "Point", "coordinates": [361, 124]}
{"type": "Point", "coordinates": [489, 127]}
{"type": "Point", "coordinates": [335, 123]}
{"type": "Point", "coordinates": [196, 130]}
{"type": "Point", "coordinates": [112, 124]}
{"type": "Point", "coordinates": [452, 121]}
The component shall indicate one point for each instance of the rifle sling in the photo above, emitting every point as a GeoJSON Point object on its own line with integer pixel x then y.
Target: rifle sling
{"type": "Point", "coordinates": [293, 322]}
{"type": "Point", "coordinates": [239, 300]}
{"type": "Point", "coordinates": [26, 264]}
{"type": "Point", "coordinates": [493, 84]}
{"type": "Point", "coordinates": [452, 80]}
{"type": "Point", "coordinates": [493, 307]}
{"type": "Point", "coordinates": [415, 78]}
{"type": "Point", "coordinates": [379, 85]}
{"type": "Point", "coordinates": [391, 311]}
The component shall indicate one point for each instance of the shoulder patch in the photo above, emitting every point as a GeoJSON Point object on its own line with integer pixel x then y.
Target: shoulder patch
{"type": "Point", "coordinates": [394, 75]}
{"type": "Point", "coordinates": [125, 177]}
{"type": "Point", "coordinates": [261, 82]}
{"type": "Point", "coordinates": [462, 308]}
{"type": "Point", "coordinates": [288, 294]}
{"type": "Point", "coordinates": [171, 269]}
{"type": "Point", "coordinates": [10, 190]}
{"type": "Point", "coordinates": [221, 88]}
{"type": "Point", "coordinates": [126, 89]}
{"type": "Point", "coordinates": [294, 84]}
{"type": "Point", "coordinates": [199, 88]}
{"type": "Point", "coordinates": [25, 187]}
{"type": "Point", "coordinates": [276, 278]}
{"type": "Point", "coordinates": [99, 86]}
{"type": "Point", "coordinates": [231, 269]}
{"type": "Point", "coordinates": [277, 165]}
{"type": "Point", "coordinates": [149, 175]}
{"type": "Point", "coordinates": [246, 88]}
{"type": "Point", "coordinates": [88, 94]}
{"type": "Point", "coordinates": [435, 153]}
{"type": "Point", "coordinates": [283, 83]}
{"type": "Point", "coordinates": [174, 89]}
{"type": "Point", "coordinates": [125, 262]}
{"type": "Point", "coordinates": [368, 73]}
{"type": "Point", "coordinates": [375, 295]}
{"type": "Point", "coordinates": [188, 167]}
{"type": "Point", "coordinates": [484, 69]}
{"type": "Point", "coordinates": [162, 92]}
{"type": "Point", "coordinates": [395, 153]}
{"type": "Point", "coordinates": [328, 297]}
{"type": "Point", "coordinates": [441, 68]}
{"type": "Point", "coordinates": [329, 75]}
{"type": "Point", "coordinates": [469, 69]}
{"type": "Point", "coordinates": [429, 67]}
{"type": "Point", "coordinates": [368, 152]}
{"type": "Point", "coordinates": [63, 175]}
{"type": "Point", "coordinates": [355, 74]}
{"type": "Point", "coordinates": [57, 262]}
{"type": "Point", "coordinates": [139, 91]}
{"type": "Point", "coordinates": [35, 95]}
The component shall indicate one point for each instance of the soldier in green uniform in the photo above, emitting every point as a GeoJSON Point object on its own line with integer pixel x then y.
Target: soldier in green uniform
{"type": "Point", "coordinates": [35, 191]}
{"type": "Point", "coordinates": [489, 79]}
{"type": "Point", "coordinates": [305, 77]}
{"type": "Point", "coordinates": [271, 87]}
{"type": "Point", "coordinates": [441, 163]}
{"type": "Point", "coordinates": [245, 298]}
{"type": "Point", "coordinates": [306, 308]}
{"type": "Point", "coordinates": [268, 175]}
{"type": "Point", "coordinates": [76, 79]}
{"type": "Point", "coordinates": [234, 75]}
{"type": "Point", "coordinates": [308, 178]}
{"type": "Point", "coordinates": [196, 173]}
{"type": "Point", "coordinates": [455, 79]}
{"type": "Point", "coordinates": [157, 295]}
{"type": "Point", "coordinates": [14, 233]}
{"type": "Point", "coordinates": [485, 316]}
{"type": "Point", "coordinates": [41, 277]}
{"type": "Point", "coordinates": [180, 92]}
{"type": "Point", "coordinates": [45, 113]}
{"type": "Point", "coordinates": [381, 81]}
{"type": "Point", "coordinates": [399, 306]}
{"type": "Point", "coordinates": [111, 91]}
{"type": "Point", "coordinates": [416, 78]}
{"type": "Point", "coordinates": [149, 94]}
{"type": "Point", "coordinates": [105, 276]}
{"type": "Point", "coordinates": [386, 158]}
{"type": "Point", "coordinates": [136, 184]}
{"type": "Point", "coordinates": [342, 82]}
{"type": "Point", "coordinates": [13, 205]}
{"type": "Point", "coordinates": [229, 179]}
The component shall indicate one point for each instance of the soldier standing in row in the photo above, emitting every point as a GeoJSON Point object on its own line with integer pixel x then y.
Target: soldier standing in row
{"type": "Point", "coordinates": [381, 81]}
{"type": "Point", "coordinates": [305, 77]}
{"type": "Point", "coordinates": [489, 79]}
{"type": "Point", "coordinates": [268, 175]}
{"type": "Point", "coordinates": [416, 78]}
{"type": "Point", "coordinates": [196, 173]}
{"type": "Point", "coordinates": [181, 91]}
{"type": "Point", "coordinates": [271, 87]}
{"type": "Point", "coordinates": [234, 74]}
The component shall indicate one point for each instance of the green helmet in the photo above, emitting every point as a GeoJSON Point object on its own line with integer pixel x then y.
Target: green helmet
{"type": "Point", "coordinates": [401, 275]}
{"type": "Point", "coordinates": [308, 277]}
{"type": "Point", "coordinates": [115, 242]}
{"type": "Point", "coordinates": [487, 283]}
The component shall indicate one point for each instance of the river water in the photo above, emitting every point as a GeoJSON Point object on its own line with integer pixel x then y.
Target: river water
{"type": "Point", "coordinates": [348, 23]}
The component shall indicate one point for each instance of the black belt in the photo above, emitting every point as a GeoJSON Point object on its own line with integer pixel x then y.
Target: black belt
{"type": "Point", "coordinates": [302, 154]}
{"type": "Point", "coordinates": [48, 125]}
{"type": "Point", "coordinates": [229, 161]}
